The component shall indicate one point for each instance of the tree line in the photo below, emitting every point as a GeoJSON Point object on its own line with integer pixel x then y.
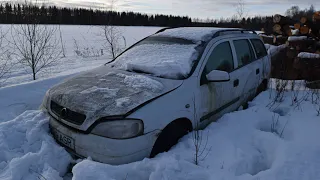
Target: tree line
{"type": "Point", "coordinates": [21, 13]}
{"type": "Point", "coordinates": [17, 13]}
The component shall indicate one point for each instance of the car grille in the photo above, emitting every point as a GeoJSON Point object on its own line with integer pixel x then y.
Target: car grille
{"type": "Point", "coordinates": [66, 114]}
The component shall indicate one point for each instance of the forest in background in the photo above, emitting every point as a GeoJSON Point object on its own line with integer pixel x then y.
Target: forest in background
{"type": "Point", "coordinates": [24, 13]}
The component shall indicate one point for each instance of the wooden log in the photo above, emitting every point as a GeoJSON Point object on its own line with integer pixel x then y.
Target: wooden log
{"type": "Point", "coordinates": [309, 65]}
{"type": "Point", "coordinates": [281, 40]}
{"type": "Point", "coordinates": [277, 18]}
{"type": "Point", "coordinates": [267, 39]}
{"type": "Point", "coordinates": [277, 29]}
{"type": "Point", "coordinates": [316, 15]}
{"type": "Point", "coordinates": [282, 20]}
{"type": "Point", "coordinates": [303, 20]}
{"type": "Point", "coordinates": [315, 26]}
{"type": "Point", "coordinates": [286, 30]}
{"type": "Point", "coordinates": [297, 26]}
{"type": "Point", "coordinates": [303, 44]}
{"type": "Point", "coordinates": [304, 30]}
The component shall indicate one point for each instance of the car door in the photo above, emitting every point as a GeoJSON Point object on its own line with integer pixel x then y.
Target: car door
{"type": "Point", "coordinates": [248, 70]}
{"type": "Point", "coordinates": [262, 57]}
{"type": "Point", "coordinates": [217, 98]}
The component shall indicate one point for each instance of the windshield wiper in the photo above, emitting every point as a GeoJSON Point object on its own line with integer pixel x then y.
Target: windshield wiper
{"type": "Point", "coordinates": [138, 71]}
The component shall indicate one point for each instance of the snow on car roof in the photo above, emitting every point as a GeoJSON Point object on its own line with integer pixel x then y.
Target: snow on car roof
{"type": "Point", "coordinates": [192, 33]}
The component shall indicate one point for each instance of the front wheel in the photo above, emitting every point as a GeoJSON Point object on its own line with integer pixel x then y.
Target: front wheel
{"type": "Point", "coordinates": [168, 138]}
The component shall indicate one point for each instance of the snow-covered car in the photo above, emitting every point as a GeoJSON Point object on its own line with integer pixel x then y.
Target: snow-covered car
{"type": "Point", "coordinates": [164, 86]}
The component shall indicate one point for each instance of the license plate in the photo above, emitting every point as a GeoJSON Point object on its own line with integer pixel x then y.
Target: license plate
{"type": "Point", "coordinates": [63, 139]}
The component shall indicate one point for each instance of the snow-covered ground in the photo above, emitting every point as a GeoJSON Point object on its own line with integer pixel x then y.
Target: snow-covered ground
{"type": "Point", "coordinates": [266, 141]}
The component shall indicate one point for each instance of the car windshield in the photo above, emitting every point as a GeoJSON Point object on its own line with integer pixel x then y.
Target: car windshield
{"type": "Point", "coordinates": [164, 57]}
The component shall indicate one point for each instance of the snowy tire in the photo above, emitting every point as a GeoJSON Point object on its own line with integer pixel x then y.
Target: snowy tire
{"type": "Point", "coordinates": [169, 137]}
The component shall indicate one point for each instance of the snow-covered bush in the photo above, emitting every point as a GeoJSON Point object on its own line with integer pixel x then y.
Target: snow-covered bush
{"type": "Point", "coordinates": [86, 51]}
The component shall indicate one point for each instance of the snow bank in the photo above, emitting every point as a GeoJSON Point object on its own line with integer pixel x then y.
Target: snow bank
{"type": "Point", "coordinates": [308, 55]}
{"type": "Point", "coordinates": [14, 100]}
{"type": "Point", "coordinates": [162, 60]}
{"type": "Point", "coordinates": [274, 49]}
{"type": "Point", "coordinates": [297, 38]}
{"type": "Point", "coordinates": [241, 146]}
{"type": "Point", "coordinates": [28, 152]}
{"type": "Point", "coordinates": [264, 35]}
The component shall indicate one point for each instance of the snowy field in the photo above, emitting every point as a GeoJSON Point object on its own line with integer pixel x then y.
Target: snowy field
{"type": "Point", "coordinates": [88, 39]}
{"type": "Point", "coordinates": [268, 141]}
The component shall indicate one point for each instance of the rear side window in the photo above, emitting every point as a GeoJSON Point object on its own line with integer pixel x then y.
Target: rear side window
{"type": "Point", "coordinates": [220, 59]}
{"type": "Point", "coordinates": [244, 52]}
{"type": "Point", "coordinates": [259, 48]}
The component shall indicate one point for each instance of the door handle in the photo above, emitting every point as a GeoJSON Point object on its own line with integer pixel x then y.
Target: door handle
{"type": "Point", "coordinates": [257, 71]}
{"type": "Point", "coordinates": [236, 83]}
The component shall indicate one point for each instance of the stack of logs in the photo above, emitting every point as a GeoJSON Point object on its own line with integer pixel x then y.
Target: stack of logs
{"type": "Point", "coordinates": [299, 38]}
{"type": "Point", "coordinates": [278, 29]}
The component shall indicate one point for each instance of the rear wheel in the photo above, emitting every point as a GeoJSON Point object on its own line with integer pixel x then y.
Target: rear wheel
{"type": "Point", "coordinates": [170, 136]}
{"type": "Point", "coordinates": [262, 87]}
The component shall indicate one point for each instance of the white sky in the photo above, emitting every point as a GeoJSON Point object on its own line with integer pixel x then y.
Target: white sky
{"type": "Point", "coordinates": [194, 8]}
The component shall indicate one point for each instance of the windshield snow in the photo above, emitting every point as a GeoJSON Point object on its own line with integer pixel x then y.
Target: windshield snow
{"type": "Point", "coordinates": [165, 57]}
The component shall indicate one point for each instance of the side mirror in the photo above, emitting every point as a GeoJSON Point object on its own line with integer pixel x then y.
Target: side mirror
{"type": "Point", "coordinates": [217, 75]}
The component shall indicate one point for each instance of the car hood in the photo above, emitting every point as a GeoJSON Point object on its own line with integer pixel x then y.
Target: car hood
{"type": "Point", "coordinates": [105, 92]}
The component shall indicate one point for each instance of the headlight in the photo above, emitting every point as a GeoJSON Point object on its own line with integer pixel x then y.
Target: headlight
{"type": "Point", "coordinates": [45, 102]}
{"type": "Point", "coordinates": [119, 129]}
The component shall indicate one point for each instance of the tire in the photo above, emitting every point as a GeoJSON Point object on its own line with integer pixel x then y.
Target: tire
{"type": "Point", "coordinates": [262, 87]}
{"type": "Point", "coordinates": [169, 137]}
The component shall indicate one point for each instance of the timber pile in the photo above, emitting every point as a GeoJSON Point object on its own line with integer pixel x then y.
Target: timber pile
{"type": "Point", "coordinates": [300, 59]}
{"type": "Point", "coordinates": [279, 28]}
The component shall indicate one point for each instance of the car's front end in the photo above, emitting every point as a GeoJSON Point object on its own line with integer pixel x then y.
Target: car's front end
{"type": "Point", "coordinates": [99, 122]}
{"type": "Point", "coordinates": [94, 143]}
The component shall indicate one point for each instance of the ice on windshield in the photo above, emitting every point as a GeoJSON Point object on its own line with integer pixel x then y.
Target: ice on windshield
{"type": "Point", "coordinates": [167, 60]}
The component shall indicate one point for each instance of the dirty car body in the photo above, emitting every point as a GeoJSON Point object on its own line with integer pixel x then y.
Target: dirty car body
{"type": "Point", "coordinates": [180, 78]}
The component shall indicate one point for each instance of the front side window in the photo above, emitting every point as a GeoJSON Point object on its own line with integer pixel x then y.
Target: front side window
{"type": "Point", "coordinates": [244, 52]}
{"type": "Point", "coordinates": [220, 59]}
{"type": "Point", "coordinates": [259, 48]}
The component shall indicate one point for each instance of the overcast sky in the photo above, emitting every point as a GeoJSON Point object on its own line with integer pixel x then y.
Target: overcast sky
{"type": "Point", "coordinates": [193, 8]}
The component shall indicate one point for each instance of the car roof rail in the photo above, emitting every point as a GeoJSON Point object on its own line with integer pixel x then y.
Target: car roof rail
{"type": "Point", "coordinates": [227, 31]}
{"type": "Point", "coordinates": [163, 29]}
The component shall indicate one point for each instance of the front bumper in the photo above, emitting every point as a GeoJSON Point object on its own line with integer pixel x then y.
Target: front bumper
{"type": "Point", "coordinates": [105, 150]}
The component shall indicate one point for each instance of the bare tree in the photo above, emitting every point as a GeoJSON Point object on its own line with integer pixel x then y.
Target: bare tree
{"type": "Point", "coordinates": [316, 101]}
{"type": "Point", "coordinates": [36, 45]}
{"type": "Point", "coordinates": [63, 48]}
{"type": "Point", "coordinates": [241, 11]}
{"type": "Point", "coordinates": [200, 140]}
{"type": "Point", "coordinates": [112, 35]}
{"type": "Point", "coordinates": [5, 58]}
